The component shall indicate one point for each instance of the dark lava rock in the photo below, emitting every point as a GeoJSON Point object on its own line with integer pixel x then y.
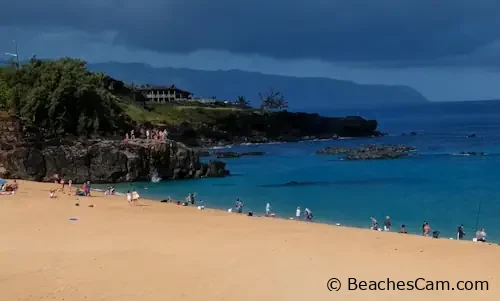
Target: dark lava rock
{"type": "Point", "coordinates": [333, 150]}
{"type": "Point", "coordinates": [410, 134]}
{"type": "Point", "coordinates": [202, 153]}
{"type": "Point", "coordinates": [472, 153]}
{"type": "Point", "coordinates": [371, 152]}
{"type": "Point", "coordinates": [107, 161]}
{"type": "Point", "coordinates": [237, 155]}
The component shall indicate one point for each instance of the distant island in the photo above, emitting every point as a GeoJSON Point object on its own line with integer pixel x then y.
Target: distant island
{"type": "Point", "coordinates": [227, 85]}
{"type": "Point", "coordinates": [59, 118]}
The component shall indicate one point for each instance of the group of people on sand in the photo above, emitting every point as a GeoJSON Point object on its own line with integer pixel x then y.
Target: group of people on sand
{"type": "Point", "coordinates": [154, 134]}
{"type": "Point", "coordinates": [308, 216]}
{"type": "Point", "coordinates": [9, 189]}
{"type": "Point", "coordinates": [426, 229]}
{"type": "Point", "coordinates": [84, 190]}
{"type": "Point", "coordinates": [132, 197]}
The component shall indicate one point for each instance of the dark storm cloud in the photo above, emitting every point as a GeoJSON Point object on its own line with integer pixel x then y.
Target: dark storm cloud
{"type": "Point", "coordinates": [412, 32]}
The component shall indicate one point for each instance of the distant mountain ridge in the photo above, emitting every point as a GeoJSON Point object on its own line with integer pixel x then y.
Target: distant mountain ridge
{"type": "Point", "coordinates": [299, 91]}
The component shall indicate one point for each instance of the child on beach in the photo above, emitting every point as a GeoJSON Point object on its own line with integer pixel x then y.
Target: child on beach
{"type": "Point", "coordinates": [62, 184]}
{"type": "Point", "coordinates": [129, 197]}
{"type": "Point", "coordinates": [403, 230]}
{"type": "Point", "coordinates": [297, 213]}
{"type": "Point", "coordinates": [135, 196]}
{"type": "Point", "coordinates": [427, 229]}
{"type": "Point", "coordinates": [52, 193]}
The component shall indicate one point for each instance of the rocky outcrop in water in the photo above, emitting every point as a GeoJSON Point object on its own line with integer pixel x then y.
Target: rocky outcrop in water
{"type": "Point", "coordinates": [227, 154]}
{"type": "Point", "coordinates": [371, 152]}
{"type": "Point", "coordinates": [237, 155]}
{"type": "Point", "coordinates": [472, 153]}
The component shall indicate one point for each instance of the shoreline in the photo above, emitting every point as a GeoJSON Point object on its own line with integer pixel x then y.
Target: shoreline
{"type": "Point", "coordinates": [54, 250]}
{"type": "Point", "coordinates": [261, 214]}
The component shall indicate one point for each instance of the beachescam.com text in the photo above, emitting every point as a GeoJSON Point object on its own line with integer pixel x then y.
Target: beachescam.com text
{"type": "Point", "coordinates": [418, 284]}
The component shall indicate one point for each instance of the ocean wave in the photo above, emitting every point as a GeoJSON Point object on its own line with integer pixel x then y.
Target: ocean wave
{"type": "Point", "coordinates": [221, 147]}
{"type": "Point", "coordinates": [457, 154]}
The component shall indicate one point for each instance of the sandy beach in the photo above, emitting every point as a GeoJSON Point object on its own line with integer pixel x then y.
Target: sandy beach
{"type": "Point", "coordinates": [157, 251]}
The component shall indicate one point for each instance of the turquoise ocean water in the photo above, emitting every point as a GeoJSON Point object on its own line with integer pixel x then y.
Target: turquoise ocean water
{"type": "Point", "coordinates": [438, 186]}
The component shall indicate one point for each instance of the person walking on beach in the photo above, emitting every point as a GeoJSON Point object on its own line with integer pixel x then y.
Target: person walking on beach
{"type": "Point", "coordinates": [129, 197]}
{"type": "Point", "coordinates": [427, 229]}
{"type": "Point", "coordinates": [62, 184]}
{"type": "Point", "coordinates": [268, 209]}
{"type": "Point", "coordinates": [423, 227]}
{"type": "Point", "coordinates": [387, 224]}
{"type": "Point", "coordinates": [374, 223]}
{"type": "Point", "coordinates": [70, 183]}
{"type": "Point", "coordinates": [135, 197]}
{"type": "Point", "coordinates": [481, 235]}
{"type": "Point", "coordinates": [87, 189]}
{"type": "Point", "coordinates": [460, 232]}
{"type": "Point", "coordinates": [309, 215]}
{"type": "Point", "coordinates": [239, 206]}
{"type": "Point", "coordinates": [297, 213]}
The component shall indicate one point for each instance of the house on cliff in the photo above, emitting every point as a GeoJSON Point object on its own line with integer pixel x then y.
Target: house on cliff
{"type": "Point", "coordinates": [165, 94]}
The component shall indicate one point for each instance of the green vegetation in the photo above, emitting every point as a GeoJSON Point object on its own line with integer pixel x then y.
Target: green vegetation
{"type": "Point", "coordinates": [61, 97]}
{"type": "Point", "coordinates": [273, 100]}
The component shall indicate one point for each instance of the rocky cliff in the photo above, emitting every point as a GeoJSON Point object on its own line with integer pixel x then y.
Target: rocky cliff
{"type": "Point", "coordinates": [100, 161]}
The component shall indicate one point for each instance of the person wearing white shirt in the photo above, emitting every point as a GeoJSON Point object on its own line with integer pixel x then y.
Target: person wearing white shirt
{"type": "Point", "coordinates": [297, 213]}
{"type": "Point", "coordinates": [268, 209]}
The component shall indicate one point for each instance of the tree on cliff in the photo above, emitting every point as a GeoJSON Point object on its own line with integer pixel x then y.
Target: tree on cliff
{"type": "Point", "coordinates": [241, 101]}
{"type": "Point", "coordinates": [61, 97]}
{"type": "Point", "coordinates": [273, 100]}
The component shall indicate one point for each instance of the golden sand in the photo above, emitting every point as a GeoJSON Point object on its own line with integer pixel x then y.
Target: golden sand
{"type": "Point", "coordinates": [157, 251]}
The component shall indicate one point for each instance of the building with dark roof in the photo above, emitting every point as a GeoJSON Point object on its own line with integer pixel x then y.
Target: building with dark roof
{"type": "Point", "coordinates": [164, 94]}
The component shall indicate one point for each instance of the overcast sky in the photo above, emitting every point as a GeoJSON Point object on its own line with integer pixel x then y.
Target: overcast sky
{"type": "Point", "coordinates": [446, 49]}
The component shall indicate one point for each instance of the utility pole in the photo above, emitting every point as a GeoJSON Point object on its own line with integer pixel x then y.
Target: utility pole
{"type": "Point", "coordinates": [478, 213]}
{"type": "Point", "coordinates": [17, 54]}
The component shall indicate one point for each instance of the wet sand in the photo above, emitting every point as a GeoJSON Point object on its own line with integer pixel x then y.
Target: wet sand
{"type": "Point", "coordinates": [158, 251]}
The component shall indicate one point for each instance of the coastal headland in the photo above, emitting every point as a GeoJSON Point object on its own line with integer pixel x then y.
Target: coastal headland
{"type": "Point", "coordinates": [53, 250]}
{"type": "Point", "coordinates": [60, 119]}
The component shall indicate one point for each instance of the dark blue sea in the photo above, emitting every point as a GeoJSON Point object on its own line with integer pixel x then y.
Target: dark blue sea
{"type": "Point", "coordinates": [438, 185]}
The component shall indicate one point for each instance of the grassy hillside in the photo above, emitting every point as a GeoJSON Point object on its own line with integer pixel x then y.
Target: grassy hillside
{"type": "Point", "coordinates": [62, 97]}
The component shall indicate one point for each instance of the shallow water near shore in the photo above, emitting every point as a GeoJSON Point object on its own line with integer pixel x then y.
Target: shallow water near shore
{"type": "Point", "coordinates": [439, 185]}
